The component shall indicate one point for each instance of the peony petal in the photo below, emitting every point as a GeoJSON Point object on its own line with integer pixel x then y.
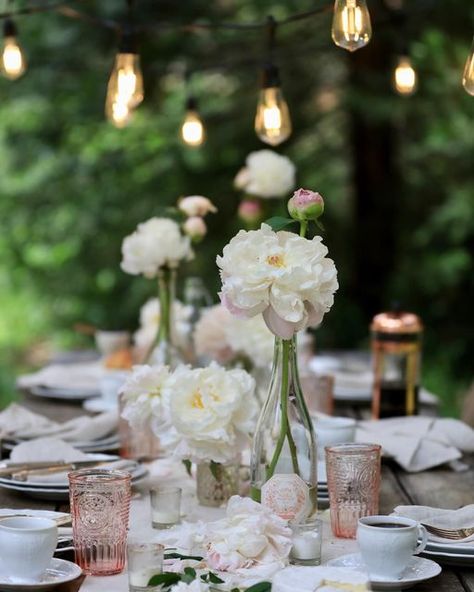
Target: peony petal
{"type": "Point", "coordinates": [277, 325]}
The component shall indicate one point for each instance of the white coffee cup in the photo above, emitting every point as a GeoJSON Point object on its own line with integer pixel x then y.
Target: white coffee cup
{"type": "Point", "coordinates": [333, 430]}
{"type": "Point", "coordinates": [27, 546]}
{"type": "Point", "coordinates": [387, 544]}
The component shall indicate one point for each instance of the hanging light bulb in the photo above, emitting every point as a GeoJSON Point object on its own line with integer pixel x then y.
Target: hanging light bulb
{"type": "Point", "coordinates": [468, 74]}
{"type": "Point", "coordinates": [404, 77]}
{"type": "Point", "coordinates": [272, 119]}
{"type": "Point", "coordinates": [13, 62]}
{"type": "Point", "coordinates": [192, 130]}
{"type": "Point", "coordinates": [351, 26]}
{"type": "Point", "coordinates": [125, 87]}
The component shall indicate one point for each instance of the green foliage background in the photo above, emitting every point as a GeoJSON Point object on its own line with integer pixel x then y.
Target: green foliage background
{"type": "Point", "coordinates": [71, 185]}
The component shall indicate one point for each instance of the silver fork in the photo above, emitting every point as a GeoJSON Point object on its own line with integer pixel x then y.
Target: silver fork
{"type": "Point", "coordinates": [450, 533]}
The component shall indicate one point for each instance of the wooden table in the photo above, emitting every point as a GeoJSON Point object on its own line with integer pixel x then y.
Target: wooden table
{"type": "Point", "coordinates": [440, 487]}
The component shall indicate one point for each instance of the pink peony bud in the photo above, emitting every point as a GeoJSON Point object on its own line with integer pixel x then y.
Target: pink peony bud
{"type": "Point", "coordinates": [305, 205]}
{"type": "Point", "coordinates": [196, 205]}
{"type": "Point", "coordinates": [195, 228]}
{"type": "Point", "coordinates": [250, 211]}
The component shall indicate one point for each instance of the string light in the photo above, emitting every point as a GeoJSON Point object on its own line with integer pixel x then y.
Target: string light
{"type": "Point", "coordinates": [272, 119]}
{"type": "Point", "coordinates": [192, 130]}
{"type": "Point", "coordinates": [13, 61]}
{"type": "Point", "coordinates": [125, 87]}
{"type": "Point", "coordinates": [351, 26]}
{"type": "Point", "coordinates": [404, 77]}
{"type": "Point", "coordinates": [468, 74]}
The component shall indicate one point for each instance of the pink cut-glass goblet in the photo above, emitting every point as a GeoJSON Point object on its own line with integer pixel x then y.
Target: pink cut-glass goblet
{"type": "Point", "coordinates": [353, 472]}
{"type": "Point", "coordinates": [100, 506]}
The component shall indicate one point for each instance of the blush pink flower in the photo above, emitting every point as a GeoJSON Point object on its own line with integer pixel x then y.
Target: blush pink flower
{"type": "Point", "coordinates": [306, 205]}
{"type": "Point", "coordinates": [195, 228]}
{"type": "Point", "coordinates": [250, 211]}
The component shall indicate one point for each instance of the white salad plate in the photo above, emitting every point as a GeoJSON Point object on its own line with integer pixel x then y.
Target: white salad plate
{"type": "Point", "coordinates": [64, 393]}
{"type": "Point", "coordinates": [58, 572]}
{"type": "Point", "coordinates": [99, 405]}
{"type": "Point", "coordinates": [104, 444]}
{"type": "Point", "coordinates": [450, 558]}
{"type": "Point", "coordinates": [418, 570]}
{"type": "Point", "coordinates": [459, 548]}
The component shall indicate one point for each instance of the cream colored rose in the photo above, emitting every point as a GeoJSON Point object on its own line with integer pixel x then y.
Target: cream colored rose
{"type": "Point", "coordinates": [196, 205]}
{"type": "Point", "coordinates": [211, 412]}
{"type": "Point", "coordinates": [281, 275]}
{"type": "Point", "coordinates": [195, 228]}
{"type": "Point", "coordinates": [266, 174]}
{"type": "Point", "coordinates": [155, 244]}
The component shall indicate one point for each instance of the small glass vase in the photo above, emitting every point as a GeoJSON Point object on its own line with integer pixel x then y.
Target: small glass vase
{"type": "Point", "coordinates": [214, 487]}
{"type": "Point", "coordinates": [164, 351]}
{"type": "Point", "coordinates": [283, 464]}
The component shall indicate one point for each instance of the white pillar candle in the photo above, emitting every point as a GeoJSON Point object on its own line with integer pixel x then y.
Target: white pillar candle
{"type": "Point", "coordinates": [164, 517]}
{"type": "Point", "coordinates": [306, 545]}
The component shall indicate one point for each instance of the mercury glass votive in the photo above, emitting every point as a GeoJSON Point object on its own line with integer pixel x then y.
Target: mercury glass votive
{"type": "Point", "coordinates": [144, 560]}
{"type": "Point", "coordinates": [307, 539]}
{"type": "Point", "coordinates": [165, 505]}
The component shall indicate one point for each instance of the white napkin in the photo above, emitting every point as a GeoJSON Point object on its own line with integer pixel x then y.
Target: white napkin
{"type": "Point", "coordinates": [52, 449]}
{"type": "Point", "coordinates": [419, 443]}
{"type": "Point", "coordinates": [18, 422]}
{"type": "Point", "coordinates": [441, 518]}
{"type": "Point", "coordinates": [80, 375]}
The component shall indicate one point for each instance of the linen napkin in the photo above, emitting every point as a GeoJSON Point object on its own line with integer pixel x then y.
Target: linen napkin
{"type": "Point", "coordinates": [52, 449]}
{"type": "Point", "coordinates": [79, 375]}
{"type": "Point", "coordinates": [19, 422]}
{"type": "Point", "coordinates": [419, 443]}
{"type": "Point", "coordinates": [441, 518]}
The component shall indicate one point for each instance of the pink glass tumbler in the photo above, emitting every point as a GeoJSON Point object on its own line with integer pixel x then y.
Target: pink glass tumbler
{"type": "Point", "coordinates": [353, 472]}
{"type": "Point", "coordinates": [100, 507]}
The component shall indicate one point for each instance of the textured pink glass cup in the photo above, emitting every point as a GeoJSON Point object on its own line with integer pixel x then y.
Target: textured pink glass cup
{"type": "Point", "coordinates": [353, 472]}
{"type": "Point", "coordinates": [100, 506]}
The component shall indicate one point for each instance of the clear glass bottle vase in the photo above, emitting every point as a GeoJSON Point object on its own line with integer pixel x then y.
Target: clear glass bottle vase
{"type": "Point", "coordinates": [164, 351]}
{"type": "Point", "coordinates": [284, 457]}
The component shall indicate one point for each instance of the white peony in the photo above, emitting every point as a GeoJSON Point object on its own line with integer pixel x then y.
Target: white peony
{"type": "Point", "coordinates": [155, 244]}
{"type": "Point", "coordinates": [249, 536]}
{"type": "Point", "coordinates": [208, 413]}
{"type": "Point", "coordinates": [196, 585]}
{"type": "Point", "coordinates": [196, 205]}
{"type": "Point", "coordinates": [145, 336]}
{"type": "Point", "coordinates": [266, 174]}
{"type": "Point", "coordinates": [142, 393]}
{"type": "Point", "coordinates": [225, 338]}
{"type": "Point", "coordinates": [285, 277]}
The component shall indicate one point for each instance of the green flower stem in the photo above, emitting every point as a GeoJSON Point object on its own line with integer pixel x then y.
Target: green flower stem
{"type": "Point", "coordinates": [164, 297]}
{"type": "Point", "coordinates": [303, 227]}
{"type": "Point", "coordinates": [285, 431]}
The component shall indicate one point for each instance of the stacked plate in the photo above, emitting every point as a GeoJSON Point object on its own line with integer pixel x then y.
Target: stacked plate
{"type": "Point", "coordinates": [108, 443]}
{"type": "Point", "coordinates": [323, 494]}
{"type": "Point", "coordinates": [450, 553]}
{"type": "Point", "coordinates": [60, 491]}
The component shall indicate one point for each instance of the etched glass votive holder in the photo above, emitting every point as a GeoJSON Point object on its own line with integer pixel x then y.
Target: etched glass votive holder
{"type": "Point", "coordinates": [144, 560]}
{"type": "Point", "coordinates": [353, 473]}
{"type": "Point", "coordinates": [100, 507]}
{"type": "Point", "coordinates": [307, 539]}
{"type": "Point", "coordinates": [165, 505]}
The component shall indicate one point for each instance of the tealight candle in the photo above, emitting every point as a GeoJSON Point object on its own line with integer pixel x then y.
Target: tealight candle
{"type": "Point", "coordinates": [307, 538]}
{"type": "Point", "coordinates": [165, 506]}
{"type": "Point", "coordinates": [144, 560]}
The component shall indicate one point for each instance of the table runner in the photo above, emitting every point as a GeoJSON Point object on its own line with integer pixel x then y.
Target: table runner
{"type": "Point", "coordinates": [166, 472]}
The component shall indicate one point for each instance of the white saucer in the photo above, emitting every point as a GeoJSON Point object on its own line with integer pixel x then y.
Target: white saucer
{"type": "Point", "coordinates": [58, 572]}
{"type": "Point", "coordinates": [99, 405]}
{"type": "Point", "coordinates": [417, 571]}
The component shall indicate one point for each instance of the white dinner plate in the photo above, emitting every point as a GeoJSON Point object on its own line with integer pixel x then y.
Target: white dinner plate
{"type": "Point", "coordinates": [99, 405]}
{"type": "Point", "coordinates": [58, 572]}
{"type": "Point", "coordinates": [64, 393]}
{"type": "Point", "coordinates": [462, 548]}
{"type": "Point", "coordinates": [34, 513]}
{"type": "Point", "coordinates": [418, 570]}
{"type": "Point", "coordinates": [104, 444]}
{"type": "Point", "coordinates": [459, 559]}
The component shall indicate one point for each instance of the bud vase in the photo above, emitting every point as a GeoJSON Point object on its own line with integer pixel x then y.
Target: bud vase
{"type": "Point", "coordinates": [216, 484]}
{"type": "Point", "coordinates": [164, 350]}
{"type": "Point", "coordinates": [283, 465]}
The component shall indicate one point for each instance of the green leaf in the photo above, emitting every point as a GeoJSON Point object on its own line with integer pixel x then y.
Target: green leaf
{"type": "Point", "coordinates": [165, 579]}
{"type": "Point", "coordinates": [279, 222]}
{"type": "Point", "coordinates": [205, 577]}
{"type": "Point", "coordinates": [215, 579]}
{"type": "Point", "coordinates": [188, 464]}
{"type": "Point", "coordinates": [260, 587]}
{"type": "Point", "coordinates": [216, 470]}
{"type": "Point", "coordinates": [189, 571]}
{"type": "Point", "coordinates": [235, 590]}
{"type": "Point", "coordinates": [179, 556]}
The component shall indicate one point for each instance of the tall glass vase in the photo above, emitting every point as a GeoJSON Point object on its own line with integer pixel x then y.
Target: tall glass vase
{"type": "Point", "coordinates": [284, 458]}
{"type": "Point", "coordinates": [164, 350]}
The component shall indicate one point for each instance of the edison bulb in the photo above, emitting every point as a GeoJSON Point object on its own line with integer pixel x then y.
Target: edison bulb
{"type": "Point", "coordinates": [118, 113]}
{"type": "Point", "coordinates": [13, 61]}
{"type": "Point", "coordinates": [404, 77]}
{"type": "Point", "coordinates": [468, 74]}
{"type": "Point", "coordinates": [351, 26]}
{"type": "Point", "coordinates": [126, 81]}
{"type": "Point", "coordinates": [192, 130]}
{"type": "Point", "coordinates": [272, 120]}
